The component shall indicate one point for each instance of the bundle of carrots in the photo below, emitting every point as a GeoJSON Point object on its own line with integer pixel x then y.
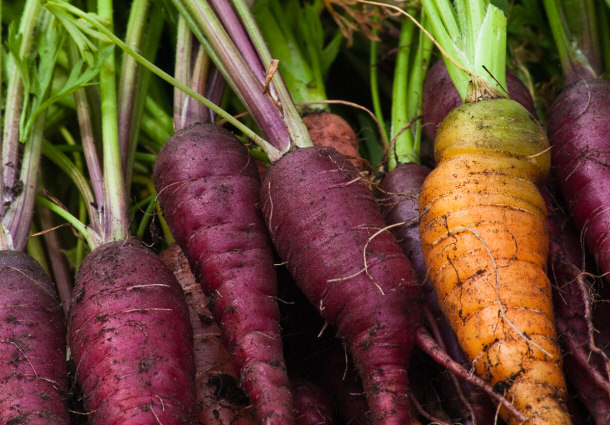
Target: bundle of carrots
{"type": "Point", "coordinates": [345, 212]}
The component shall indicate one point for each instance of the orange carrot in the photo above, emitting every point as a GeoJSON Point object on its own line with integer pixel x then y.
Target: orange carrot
{"type": "Point", "coordinates": [485, 244]}
{"type": "Point", "coordinates": [327, 129]}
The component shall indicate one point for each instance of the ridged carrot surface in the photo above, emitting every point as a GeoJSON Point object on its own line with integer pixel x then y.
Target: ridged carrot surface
{"type": "Point", "coordinates": [485, 246]}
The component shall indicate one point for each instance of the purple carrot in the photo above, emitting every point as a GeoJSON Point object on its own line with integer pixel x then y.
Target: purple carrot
{"type": "Point", "coordinates": [131, 338]}
{"type": "Point", "coordinates": [578, 127]}
{"type": "Point", "coordinates": [209, 190]}
{"type": "Point", "coordinates": [34, 375]}
{"type": "Point", "coordinates": [440, 97]}
{"type": "Point", "coordinates": [312, 404]}
{"type": "Point", "coordinates": [586, 365]}
{"type": "Point", "coordinates": [399, 203]}
{"type": "Point", "coordinates": [348, 267]}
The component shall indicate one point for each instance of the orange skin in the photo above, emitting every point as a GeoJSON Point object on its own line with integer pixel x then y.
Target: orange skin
{"type": "Point", "coordinates": [485, 244]}
{"type": "Point", "coordinates": [326, 129]}
{"type": "Point", "coordinates": [218, 406]}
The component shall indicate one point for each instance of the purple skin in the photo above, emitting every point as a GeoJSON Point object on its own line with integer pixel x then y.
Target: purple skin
{"type": "Point", "coordinates": [582, 365]}
{"type": "Point", "coordinates": [400, 204]}
{"type": "Point", "coordinates": [208, 187]}
{"type": "Point", "coordinates": [131, 338]}
{"type": "Point", "coordinates": [312, 405]}
{"type": "Point", "coordinates": [34, 376]}
{"type": "Point", "coordinates": [441, 96]}
{"type": "Point", "coordinates": [578, 128]}
{"type": "Point", "coordinates": [322, 216]}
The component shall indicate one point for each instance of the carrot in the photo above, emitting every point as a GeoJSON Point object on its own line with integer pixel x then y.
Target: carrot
{"type": "Point", "coordinates": [208, 188]}
{"type": "Point", "coordinates": [220, 399]}
{"type": "Point", "coordinates": [579, 120]}
{"type": "Point", "coordinates": [328, 129]}
{"type": "Point", "coordinates": [34, 376]}
{"type": "Point", "coordinates": [326, 226]}
{"type": "Point", "coordinates": [129, 331]}
{"type": "Point", "coordinates": [400, 189]}
{"type": "Point", "coordinates": [482, 230]}
{"type": "Point", "coordinates": [33, 372]}
{"type": "Point", "coordinates": [312, 405]}
{"type": "Point", "coordinates": [362, 284]}
{"type": "Point", "coordinates": [586, 363]}
{"type": "Point", "coordinates": [126, 297]}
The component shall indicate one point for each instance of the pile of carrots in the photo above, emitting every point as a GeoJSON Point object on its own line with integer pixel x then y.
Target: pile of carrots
{"type": "Point", "coordinates": [305, 212]}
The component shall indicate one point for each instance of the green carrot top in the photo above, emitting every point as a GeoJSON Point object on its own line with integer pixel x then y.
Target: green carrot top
{"type": "Point", "coordinates": [472, 34]}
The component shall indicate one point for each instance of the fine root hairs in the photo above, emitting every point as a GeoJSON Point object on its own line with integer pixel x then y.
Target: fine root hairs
{"type": "Point", "coordinates": [365, 268]}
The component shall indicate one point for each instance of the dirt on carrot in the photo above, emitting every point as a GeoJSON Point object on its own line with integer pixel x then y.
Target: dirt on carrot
{"type": "Point", "coordinates": [484, 239]}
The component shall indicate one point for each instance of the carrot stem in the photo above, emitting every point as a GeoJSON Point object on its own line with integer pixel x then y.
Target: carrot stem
{"type": "Point", "coordinates": [476, 43]}
{"type": "Point", "coordinates": [143, 34]}
{"type": "Point", "coordinates": [573, 28]}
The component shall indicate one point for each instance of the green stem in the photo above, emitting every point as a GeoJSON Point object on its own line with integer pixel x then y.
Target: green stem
{"type": "Point", "coordinates": [61, 272]}
{"type": "Point", "coordinates": [401, 145]}
{"type": "Point", "coordinates": [604, 36]}
{"type": "Point", "coordinates": [182, 69]}
{"type": "Point", "coordinates": [147, 214]}
{"type": "Point", "coordinates": [374, 77]}
{"type": "Point", "coordinates": [156, 122]}
{"type": "Point", "coordinates": [130, 78]}
{"type": "Point", "coordinates": [19, 216]}
{"type": "Point", "coordinates": [134, 80]}
{"type": "Point", "coordinates": [157, 71]}
{"type": "Point", "coordinates": [91, 239]}
{"type": "Point", "coordinates": [476, 45]}
{"type": "Point", "coordinates": [301, 73]}
{"type": "Point", "coordinates": [115, 217]}
{"type": "Point", "coordinates": [85, 125]}
{"type": "Point", "coordinates": [574, 62]}
{"type": "Point", "coordinates": [60, 159]}
{"type": "Point", "coordinates": [211, 34]}
{"type": "Point", "coordinates": [36, 251]}
{"type": "Point", "coordinates": [291, 117]}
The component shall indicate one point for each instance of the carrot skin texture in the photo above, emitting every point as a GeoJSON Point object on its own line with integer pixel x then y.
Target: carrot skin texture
{"type": "Point", "coordinates": [566, 258]}
{"type": "Point", "coordinates": [312, 405]}
{"type": "Point", "coordinates": [399, 202]}
{"type": "Point", "coordinates": [33, 375]}
{"type": "Point", "coordinates": [578, 127]}
{"type": "Point", "coordinates": [441, 96]}
{"type": "Point", "coordinates": [131, 338]}
{"type": "Point", "coordinates": [328, 129]}
{"type": "Point", "coordinates": [482, 197]}
{"type": "Point", "coordinates": [208, 187]}
{"type": "Point", "coordinates": [220, 400]}
{"type": "Point", "coordinates": [320, 216]}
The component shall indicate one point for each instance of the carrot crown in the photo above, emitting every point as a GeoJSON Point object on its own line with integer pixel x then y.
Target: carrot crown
{"type": "Point", "coordinates": [473, 35]}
